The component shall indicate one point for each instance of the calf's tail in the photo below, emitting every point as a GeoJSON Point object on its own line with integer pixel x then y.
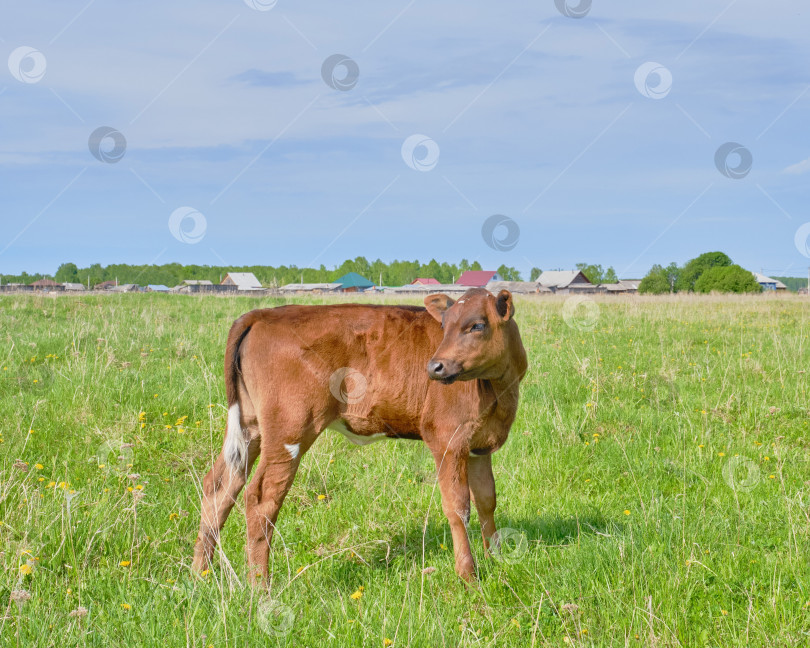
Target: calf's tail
{"type": "Point", "coordinates": [234, 450]}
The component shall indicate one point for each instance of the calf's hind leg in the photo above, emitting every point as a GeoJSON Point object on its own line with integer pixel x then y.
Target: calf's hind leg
{"type": "Point", "coordinates": [221, 487]}
{"type": "Point", "coordinates": [264, 496]}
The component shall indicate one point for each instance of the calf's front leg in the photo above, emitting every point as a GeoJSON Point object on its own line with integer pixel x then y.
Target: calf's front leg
{"type": "Point", "coordinates": [452, 472]}
{"type": "Point", "coordinates": [482, 487]}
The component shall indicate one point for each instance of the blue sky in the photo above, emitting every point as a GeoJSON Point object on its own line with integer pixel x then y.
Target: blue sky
{"type": "Point", "coordinates": [534, 115]}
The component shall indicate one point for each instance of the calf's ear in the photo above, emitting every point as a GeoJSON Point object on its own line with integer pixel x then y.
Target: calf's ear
{"type": "Point", "coordinates": [437, 304]}
{"type": "Point", "coordinates": [505, 305]}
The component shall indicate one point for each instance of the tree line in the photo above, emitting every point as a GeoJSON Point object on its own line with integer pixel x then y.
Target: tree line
{"type": "Point", "coordinates": [712, 271]}
{"type": "Point", "coordinates": [396, 273]}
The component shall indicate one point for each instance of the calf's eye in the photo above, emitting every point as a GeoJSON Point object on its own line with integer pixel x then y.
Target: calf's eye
{"type": "Point", "coordinates": [478, 326]}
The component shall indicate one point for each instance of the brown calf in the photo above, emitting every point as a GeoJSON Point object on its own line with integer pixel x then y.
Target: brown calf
{"type": "Point", "coordinates": [284, 372]}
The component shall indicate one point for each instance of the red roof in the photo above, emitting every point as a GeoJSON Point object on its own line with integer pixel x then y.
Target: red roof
{"type": "Point", "coordinates": [425, 281]}
{"type": "Point", "coordinates": [45, 282]}
{"type": "Point", "coordinates": [476, 278]}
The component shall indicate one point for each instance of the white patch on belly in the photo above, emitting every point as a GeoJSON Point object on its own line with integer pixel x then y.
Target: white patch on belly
{"type": "Point", "coordinates": [338, 425]}
{"type": "Point", "coordinates": [293, 449]}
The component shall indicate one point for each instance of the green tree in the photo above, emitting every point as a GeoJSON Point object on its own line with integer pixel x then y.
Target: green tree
{"type": "Point", "coordinates": [509, 273]}
{"type": "Point", "coordinates": [655, 282]}
{"type": "Point", "coordinates": [728, 279]}
{"type": "Point", "coordinates": [610, 276]}
{"type": "Point", "coordinates": [691, 272]}
{"type": "Point", "coordinates": [535, 274]}
{"type": "Point", "coordinates": [67, 273]}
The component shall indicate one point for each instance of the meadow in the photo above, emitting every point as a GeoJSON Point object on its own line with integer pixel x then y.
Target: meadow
{"type": "Point", "coordinates": [655, 488]}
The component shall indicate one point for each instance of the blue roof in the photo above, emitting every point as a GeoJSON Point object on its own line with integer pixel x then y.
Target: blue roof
{"type": "Point", "coordinates": [158, 287]}
{"type": "Point", "coordinates": [353, 280]}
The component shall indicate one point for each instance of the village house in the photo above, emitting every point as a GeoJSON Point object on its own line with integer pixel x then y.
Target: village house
{"type": "Point", "coordinates": [46, 284]}
{"type": "Point", "coordinates": [478, 278]}
{"type": "Point", "coordinates": [768, 283]}
{"type": "Point", "coordinates": [311, 288]}
{"type": "Point", "coordinates": [242, 281]}
{"type": "Point", "coordinates": [353, 282]}
{"type": "Point", "coordinates": [566, 282]}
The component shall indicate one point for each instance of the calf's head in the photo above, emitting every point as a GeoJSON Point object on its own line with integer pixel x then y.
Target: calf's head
{"type": "Point", "coordinates": [481, 338]}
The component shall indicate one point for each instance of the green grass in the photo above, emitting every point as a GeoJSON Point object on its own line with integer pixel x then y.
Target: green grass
{"type": "Point", "coordinates": [656, 480]}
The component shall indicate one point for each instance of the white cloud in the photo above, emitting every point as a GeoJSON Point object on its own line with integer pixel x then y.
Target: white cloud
{"type": "Point", "coordinates": [798, 168]}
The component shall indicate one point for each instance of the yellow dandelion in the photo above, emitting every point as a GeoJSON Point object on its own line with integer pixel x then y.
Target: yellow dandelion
{"type": "Point", "coordinates": [173, 516]}
{"type": "Point", "coordinates": [26, 570]}
{"type": "Point", "coordinates": [516, 623]}
{"type": "Point", "coordinates": [626, 512]}
{"type": "Point", "coordinates": [721, 454]}
{"type": "Point", "coordinates": [321, 497]}
{"type": "Point", "coordinates": [129, 488]}
{"type": "Point", "coordinates": [102, 465]}
{"type": "Point", "coordinates": [205, 572]}
{"type": "Point", "coordinates": [724, 612]}
{"type": "Point", "coordinates": [126, 606]}
{"type": "Point", "coordinates": [42, 479]}
{"type": "Point", "coordinates": [139, 487]}
{"type": "Point", "coordinates": [442, 547]}
{"type": "Point", "coordinates": [39, 466]}
{"type": "Point", "coordinates": [357, 595]}
{"type": "Point", "coordinates": [771, 476]}
{"type": "Point", "coordinates": [387, 641]}
{"type": "Point", "coordinates": [125, 563]}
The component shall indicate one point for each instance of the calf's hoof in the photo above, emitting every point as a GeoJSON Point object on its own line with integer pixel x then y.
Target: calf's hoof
{"type": "Point", "coordinates": [466, 570]}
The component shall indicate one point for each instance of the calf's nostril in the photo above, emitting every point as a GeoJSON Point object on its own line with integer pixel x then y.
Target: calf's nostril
{"type": "Point", "coordinates": [435, 367]}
